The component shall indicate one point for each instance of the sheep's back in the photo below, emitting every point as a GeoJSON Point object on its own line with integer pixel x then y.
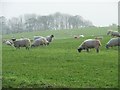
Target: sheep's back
{"type": "Point", "coordinates": [114, 42]}
{"type": "Point", "coordinates": [92, 43]}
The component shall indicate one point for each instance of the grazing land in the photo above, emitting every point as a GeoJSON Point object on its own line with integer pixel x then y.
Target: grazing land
{"type": "Point", "coordinates": [59, 64]}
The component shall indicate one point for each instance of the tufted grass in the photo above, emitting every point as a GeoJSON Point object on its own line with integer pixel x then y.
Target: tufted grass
{"type": "Point", "coordinates": [60, 65]}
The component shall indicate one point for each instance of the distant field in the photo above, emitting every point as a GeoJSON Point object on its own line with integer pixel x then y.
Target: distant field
{"type": "Point", "coordinates": [59, 64]}
{"type": "Point", "coordinates": [63, 34]}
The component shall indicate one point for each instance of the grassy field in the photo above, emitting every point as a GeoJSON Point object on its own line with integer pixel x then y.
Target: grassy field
{"type": "Point", "coordinates": [63, 34]}
{"type": "Point", "coordinates": [59, 64]}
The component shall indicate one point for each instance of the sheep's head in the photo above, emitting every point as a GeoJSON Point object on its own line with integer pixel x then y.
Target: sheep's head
{"type": "Point", "coordinates": [52, 36]}
{"type": "Point", "coordinates": [13, 39]}
{"type": "Point", "coordinates": [107, 46]}
{"type": "Point", "coordinates": [109, 32]}
{"type": "Point", "coordinates": [80, 49]}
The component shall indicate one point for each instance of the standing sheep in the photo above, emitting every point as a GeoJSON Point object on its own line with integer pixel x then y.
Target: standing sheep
{"type": "Point", "coordinates": [113, 42]}
{"type": "Point", "coordinates": [24, 42]}
{"type": "Point", "coordinates": [88, 44]}
{"type": "Point", "coordinates": [113, 33]}
{"type": "Point", "coordinates": [40, 41]}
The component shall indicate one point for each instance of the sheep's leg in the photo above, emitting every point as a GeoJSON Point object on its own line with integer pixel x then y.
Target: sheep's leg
{"type": "Point", "coordinates": [18, 47]}
{"type": "Point", "coordinates": [87, 50]}
{"type": "Point", "coordinates": [27, 48]}
{"type": "Point", "coordinates": [97, 50]}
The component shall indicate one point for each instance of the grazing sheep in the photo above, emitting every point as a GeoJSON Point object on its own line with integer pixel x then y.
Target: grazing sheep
{"type": "Point", "coordinates": [40, 41]}
{"type": "Point", "coordinates": [113, 42]}
{"type": "Point", "coordinates": [23, 42]}
{"type": "Point", "coordinates": [81, 35]}
{"type": "Point", "coordinates": [49, 38]}
{"type": "Point", "coordinates": [113, 33]}
{"type": "Point", "coordinates": [88, 44]}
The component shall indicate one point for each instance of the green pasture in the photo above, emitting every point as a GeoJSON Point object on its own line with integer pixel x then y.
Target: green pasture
{"type": "Point", "coordinates": [63, 34]}
{"type": "Point", "coordinates": [59, 64]}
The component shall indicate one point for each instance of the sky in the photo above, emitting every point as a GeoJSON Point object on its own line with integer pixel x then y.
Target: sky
{"type": "Point", "coordinates": [100, 12]}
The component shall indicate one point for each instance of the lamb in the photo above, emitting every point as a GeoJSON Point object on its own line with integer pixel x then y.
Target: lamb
{"type": "Point", "coordinates": [88, 44]}
{"type": "Point", "coordinates": [23, 42]}
{"type": "Point", "coordinates": [113, 33]}
{"type": "Point", "coordinates": [40, 41]}
{"type": "Point", "coordinates": [49, 38]}
{"type": "Point", "coordinates": [113, 42]}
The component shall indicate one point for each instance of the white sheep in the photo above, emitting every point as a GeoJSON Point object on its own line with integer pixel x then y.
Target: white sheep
{"type": "Point", "coordinates": [88, 44]}
{"type": "Point", "coordinates": [81, 35]}
{"type": "Point", "coordinates": [113, 42]}
{"type": "Point", "coordinates": [40, 41]}
{"type": "Point", "coordinates": [23, 42]}
{"type": "Point", "coordinates": [113, 33]}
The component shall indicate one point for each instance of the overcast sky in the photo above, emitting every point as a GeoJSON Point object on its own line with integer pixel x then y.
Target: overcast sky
{"type": "Point", "coordinates": [100, 12]}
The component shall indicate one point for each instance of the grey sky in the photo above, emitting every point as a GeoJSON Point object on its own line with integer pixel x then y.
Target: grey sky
{"type": "Point", "coordinates": [100, 12]}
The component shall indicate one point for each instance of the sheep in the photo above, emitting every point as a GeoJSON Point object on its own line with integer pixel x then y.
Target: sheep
{"type": "Point", "coordinates": [49, 38]}
{"type": "Point", "coordinates": [23, 42]}
{"type": "Point", "coordinates": [40, 41]}
{"type": "Point", "coordinates": [81, 35]}
{"type": "Point", "coordinates": [88, 44]}
{"type": "Point", "coordinates": [113, 33]}
{"type": "Point", "coordinates": [113, 42]}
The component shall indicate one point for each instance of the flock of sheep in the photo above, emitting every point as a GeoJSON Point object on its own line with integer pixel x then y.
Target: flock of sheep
{"type": "Point", "coordinates": [26, 42]}
{"type": "Point", "coordinates": [86, 45]}
{"type": "Point", "coordinates": [95, 43]}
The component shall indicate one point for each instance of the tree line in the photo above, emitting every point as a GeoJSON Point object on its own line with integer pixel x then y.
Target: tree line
{"type": "Point", "coordinates": [33, 22]}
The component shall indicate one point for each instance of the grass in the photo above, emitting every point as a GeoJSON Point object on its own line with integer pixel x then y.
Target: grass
{"type": "Point", "coordinates": [60, 65]}
{"type": "Point", "coordinates": [63, 34]}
